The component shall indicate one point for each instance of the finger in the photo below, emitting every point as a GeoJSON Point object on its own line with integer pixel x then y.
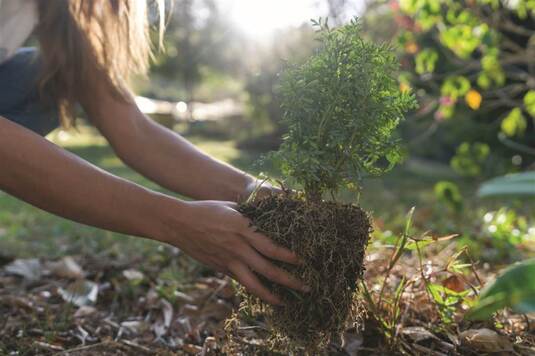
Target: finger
{"type": "Point", "coordinates": [261, 265]}
{"type": "Point", "coordinates": [268, 248]}
{"type": "Point", "coordinates": [244, 275]}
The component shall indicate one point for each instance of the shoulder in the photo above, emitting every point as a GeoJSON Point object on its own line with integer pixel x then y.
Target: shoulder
{"type": "Point", "coordinates": [18, 18]}
{"type": "Point", "coordinates": [15, 8]}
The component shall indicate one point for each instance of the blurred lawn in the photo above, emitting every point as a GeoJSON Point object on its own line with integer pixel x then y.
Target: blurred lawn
{"type": "Point", "coordinates": [28, 232]}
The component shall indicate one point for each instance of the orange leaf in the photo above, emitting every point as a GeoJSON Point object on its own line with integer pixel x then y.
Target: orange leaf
{"type": "Point", "coordinates": [473, 99]}
{"type": "Point", "coordinates": [454, 283]}
{"type": "Point", "coordinates": [411, 47]}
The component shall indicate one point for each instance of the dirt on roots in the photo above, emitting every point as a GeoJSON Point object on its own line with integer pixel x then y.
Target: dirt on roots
{"type": "Point", "coordinates": [331, 239]}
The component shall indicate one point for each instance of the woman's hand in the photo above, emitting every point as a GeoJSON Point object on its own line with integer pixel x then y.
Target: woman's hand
{"type": "Point", "coordinates": [214, 233]}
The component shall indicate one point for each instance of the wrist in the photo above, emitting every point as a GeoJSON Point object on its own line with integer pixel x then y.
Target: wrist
{"type": "Point", "coordinates": [166, 215]}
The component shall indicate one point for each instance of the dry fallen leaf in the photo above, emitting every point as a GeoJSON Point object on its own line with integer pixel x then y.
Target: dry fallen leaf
{"type": "Point", "coordinates": [190, 310]}
{"type": "Point", "coordinates": [417, 333]}
{"type": "Point", "coordinates": [485, 340]}
{"type": "Point", "coordinates": [133, 327]}
{"type": "Point", "coordinates": [210, 345]}
{"type": "Point", "coordinates": [84, 311]}
{"type": "Point", "coordinates": [21, 302]}
{"type": "Point", "coordinates": [183, 297]}
{"type": "Point", "coordinates": [226, 291]}
{"type": "Point", "coordinates": [80, 293]}
{"type": "Point", "coordinates": [133, 275]}
{"type": "Point", "coordinates": [161, 326]}
{"type": "Point", "coordinates": [522, 322]}
{"type": "Point", "coordinates": [47, 346]}
{"type": "Point", "coordinates": [167, 310]}
{"type": "Point", "coordinates": [218, 310]}
{"type": "Point", "coordinates": [454, 283]}
{"type": "Point", "coordinates": [192, 349]}
{"type": "Point", "coordinates": [29, 269]}
{"type": "Point", "coordinates": [352, 343]}
{"type": "Point", "coordinates": [184, 325]}
{"type": "Point", "coordinates": [66, 268]}
{"type": "Point", "coordinates": [525, 350]}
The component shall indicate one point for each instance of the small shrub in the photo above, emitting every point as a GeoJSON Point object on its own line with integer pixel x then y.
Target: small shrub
{"type": "Point", "coordinates": [341, 108]}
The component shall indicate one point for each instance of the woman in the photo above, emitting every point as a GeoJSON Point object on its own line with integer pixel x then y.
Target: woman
{"type": "Point", "coordinates": [88, 49]}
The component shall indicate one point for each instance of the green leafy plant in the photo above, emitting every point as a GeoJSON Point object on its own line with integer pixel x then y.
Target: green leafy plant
{"type": "Point", "coordinates": [440, 290]}
{"type": "Point", "coordinates": [513, 185]}
{"type": "Point", "coordinates": [341, 108]}
{"type": "Point", "coordinates": [514, 288]}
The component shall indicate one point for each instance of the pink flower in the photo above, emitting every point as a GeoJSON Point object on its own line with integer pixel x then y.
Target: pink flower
{"type": "Point", "coordinates": [439, 116]}
{"type": "Point", "coordinates": [446, 101]}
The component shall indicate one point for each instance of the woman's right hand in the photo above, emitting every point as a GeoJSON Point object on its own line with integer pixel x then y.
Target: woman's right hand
{"type": "Point", "coordinates": [216, 234]}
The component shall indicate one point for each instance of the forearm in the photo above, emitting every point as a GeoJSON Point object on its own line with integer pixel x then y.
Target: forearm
{"type": "Point", "coordinates": [176, 164]}
{"type": "Point", "coordinates": [167, 158]}
{"type": "Point", "coordinates": [46, 176]}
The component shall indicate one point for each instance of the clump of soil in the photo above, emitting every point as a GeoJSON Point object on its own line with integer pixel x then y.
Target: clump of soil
{"type": "Point", "coordinates": [331, 238]}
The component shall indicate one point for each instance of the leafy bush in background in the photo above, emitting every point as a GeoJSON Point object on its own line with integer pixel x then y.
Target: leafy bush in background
{"type": "Point", "coordinates": [514, 288]}
{"type": "Point", "coordinates": [471, 65]}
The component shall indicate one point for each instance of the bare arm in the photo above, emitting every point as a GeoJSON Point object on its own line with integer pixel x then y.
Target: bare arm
{"type": "Point", "coordinates": [51, 178]}
{"type": "Point", "coordinates": [213, 232]}
{"type": "Point", "coordinates": [164, 156]}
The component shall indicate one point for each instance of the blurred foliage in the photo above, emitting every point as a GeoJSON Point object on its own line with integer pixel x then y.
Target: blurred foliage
{"type": "Point", "coordinates": [341, 108]}
{"type": "Point", "coordinates": [470, 63]}
{"type": "Point", "coordinates": [201, 47]}
{"type": "Point", "coordinates": [503, 236]}
{"type": "Point", "coordinates": [514, 185]}
{"type": "Point", "coordinates": [514, 288]}
{"type": "Point", "coordinates": [470, 158]}
{"type": "Point", "coordinates": [448, 194]}
{"type": "Point", "coordinates": [261, 76]}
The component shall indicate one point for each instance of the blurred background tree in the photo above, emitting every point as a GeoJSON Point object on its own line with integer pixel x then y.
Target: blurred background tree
{"type": "Point", "coordinates": [470, 63]}
{"type": "Point", "coordinates": [202, 54]}
{"type": "Point", "coordinates": [261, 82]}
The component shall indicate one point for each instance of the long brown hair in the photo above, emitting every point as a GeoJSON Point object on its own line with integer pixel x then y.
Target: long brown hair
{"type": "Point", "coordinates": [88, 43]}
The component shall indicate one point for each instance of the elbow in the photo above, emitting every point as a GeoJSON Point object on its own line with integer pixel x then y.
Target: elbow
{"type": "Point", "coordinates": [130, 137]}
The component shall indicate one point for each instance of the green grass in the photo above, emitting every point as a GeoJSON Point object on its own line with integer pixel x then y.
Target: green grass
{"type": "Point", "coordinates": [26, 231]}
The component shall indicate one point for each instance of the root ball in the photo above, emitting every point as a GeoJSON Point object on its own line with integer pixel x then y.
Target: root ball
{"type": "Point", "coordinates": [331, 239]}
